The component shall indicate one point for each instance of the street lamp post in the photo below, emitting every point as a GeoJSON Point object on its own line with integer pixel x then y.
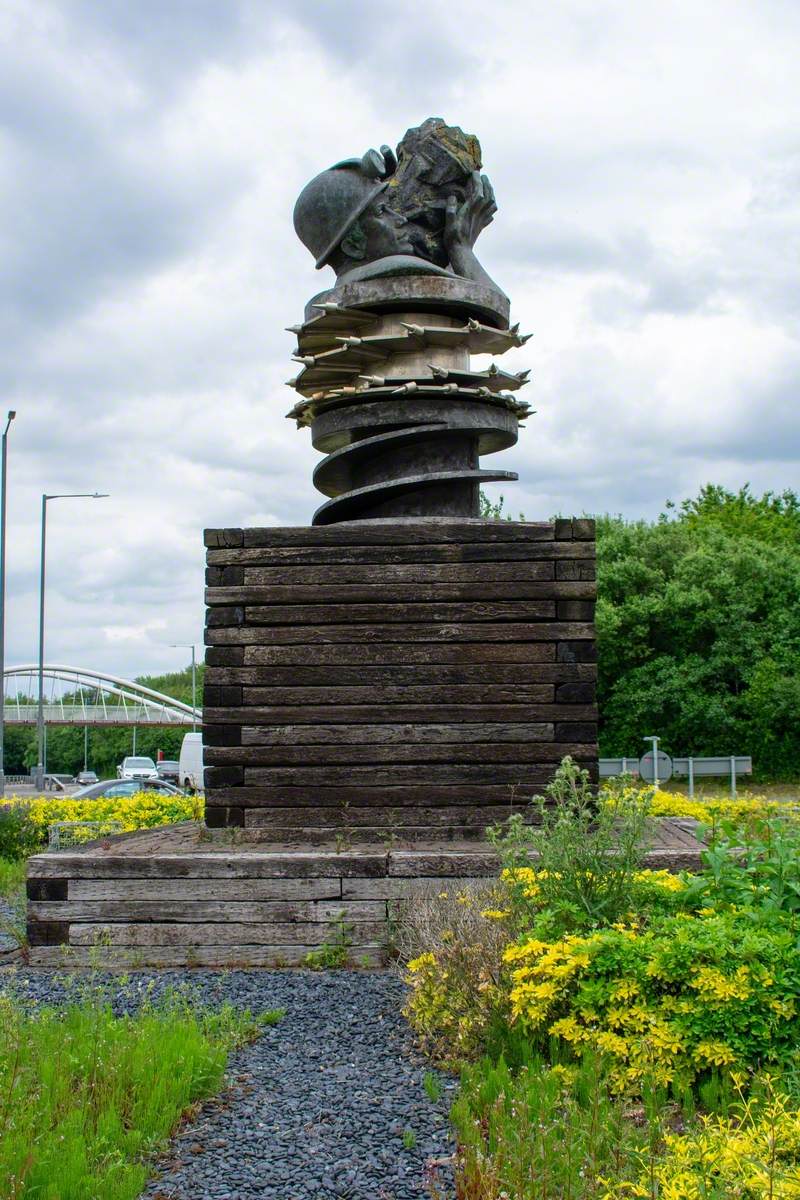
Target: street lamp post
{"type": "Point", "coordinates": [11, 416]}
{"type": "Point", "coordinates": [40, 710]}
{"type": "Point", "coordinates": [190, 646]}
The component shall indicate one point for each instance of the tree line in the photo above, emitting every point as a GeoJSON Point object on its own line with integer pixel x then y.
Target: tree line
{"type": "Point", "coordinates": [698, 629]}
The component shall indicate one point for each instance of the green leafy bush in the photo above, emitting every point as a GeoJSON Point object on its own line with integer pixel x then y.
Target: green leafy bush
{"type": "Point", "coordinates": [698, 629]}
{"type": "Point", "coordinates": [19, 835]}
{"type": "Point", "coordinates": [673, 1002]}
{"type": "Point", "coordinates": [750, 864]}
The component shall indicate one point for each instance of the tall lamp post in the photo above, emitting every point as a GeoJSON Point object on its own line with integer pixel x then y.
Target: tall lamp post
{"type": "Point", "coordinates": [190, 646]}
{"type": "Point", "coordinates": [40, 711]}
{"type": "Point", "coordinates": [11, 416]}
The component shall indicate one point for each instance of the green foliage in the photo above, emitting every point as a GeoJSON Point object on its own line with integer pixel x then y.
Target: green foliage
{"type": "Point", "coordinates": [12, 878]}
{"type": "Point", "coordinates": [409, 1139]}
{"type": "Point", "coordinates": [12, 893]}
{"type": "Point", "coordinates": [647, 1049]}
{"type": "Point", "coordinates": [496, 511]}
{"type": "Point", "coordinates": [587, 856]}
{"type": "Point", "coordinates": [19, 835]}
{"type": "Point", "coordinates": [699, 629]}
{"type": "Point", "coordinates": [540, 1132]}
{"type": "Point", "coordinates": [88, 1097]}
{"type": "Point", "coordinates": [750, 865]}
{"type": "Point", "coordinates": [673, 1002]}
{"type": "Point", "coordinates": [432, 1085]}
{"type": "Point", "coordinates": [334, 954]}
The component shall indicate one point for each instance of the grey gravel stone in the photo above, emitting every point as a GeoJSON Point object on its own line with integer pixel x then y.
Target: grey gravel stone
{"type": "Point", "coordinates": [316, 1108]}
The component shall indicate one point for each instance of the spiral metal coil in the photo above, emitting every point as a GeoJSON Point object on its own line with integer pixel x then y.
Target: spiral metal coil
{"type": "Point", "coordinates": [400, 415]}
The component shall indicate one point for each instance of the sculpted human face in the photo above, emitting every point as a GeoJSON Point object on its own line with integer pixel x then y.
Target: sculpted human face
{"type": "Point", "coordinates": [386, 232]}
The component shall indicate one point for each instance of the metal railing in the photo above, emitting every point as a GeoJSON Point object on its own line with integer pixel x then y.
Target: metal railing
{"type": "Point", "coordinates": [691, 768]}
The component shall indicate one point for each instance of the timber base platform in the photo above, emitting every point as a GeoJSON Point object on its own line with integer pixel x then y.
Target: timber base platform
{"type": "Point", "coordinates": [422, 678]}
{"type": "Point", "coordinates": [184, 896]}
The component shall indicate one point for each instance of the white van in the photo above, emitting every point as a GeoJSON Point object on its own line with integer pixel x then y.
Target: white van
{"type": "Point", "coordinates": [190, 773]}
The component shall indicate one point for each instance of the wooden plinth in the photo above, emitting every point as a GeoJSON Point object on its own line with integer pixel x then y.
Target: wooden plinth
{"type": "Point", "coordinates": [385, 678]}
{"type": "Point", "coordinates": [186, 896]}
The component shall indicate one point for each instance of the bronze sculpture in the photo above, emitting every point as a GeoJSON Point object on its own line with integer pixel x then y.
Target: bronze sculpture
{"type": "Point", "coordinates": [386, 382]}
{"type": "Point", "coordinates": [385, 214]}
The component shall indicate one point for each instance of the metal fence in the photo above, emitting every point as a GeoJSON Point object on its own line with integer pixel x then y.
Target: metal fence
{"type": "Point", "coordinates": [691, 768]}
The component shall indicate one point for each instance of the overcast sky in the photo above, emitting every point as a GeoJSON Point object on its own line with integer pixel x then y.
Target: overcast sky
{"type": "Point", "coordinates": [646, 160]}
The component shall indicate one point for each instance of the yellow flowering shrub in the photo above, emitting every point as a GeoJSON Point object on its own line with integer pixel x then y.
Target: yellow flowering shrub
{"type": "Point", "coordinates": [652, 891]}
{"type": "Point", "coordinates": [667, 1002]}
{"type": "Point", "coordinates": [753, 1156]}
{"type": "Point", "coordinates": [453, 999]}
{"type": "Point", "coordinates": [142, 810]}
{"type": "Point", "coordinates": [674, 804]}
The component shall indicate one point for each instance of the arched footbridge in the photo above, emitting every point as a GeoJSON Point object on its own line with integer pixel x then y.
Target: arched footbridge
{"type": "Point", "coordinates": [78, 696]}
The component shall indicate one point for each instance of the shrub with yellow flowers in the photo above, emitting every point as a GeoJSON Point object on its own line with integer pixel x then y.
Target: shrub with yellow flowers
{"type": "Point", "coordinates": [670, 1002]}
{"type": "Point", "coordinates": [24, 822]}
{"type": "Point", "coordinates": [753, 1154]}
{"type": "Point", "coordinates": [674, 804]}
{"type": "Point", "coordinates": [611, 1003]}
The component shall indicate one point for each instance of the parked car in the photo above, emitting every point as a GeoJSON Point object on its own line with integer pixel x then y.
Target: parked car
{"type": "Point", "coordinates": [169, 769]}
{"type": "Point", "coordinates": [86, 777]}
{"type": "Point", "coordinates": [108, 788]}
{"type": "Point", "coordinates": [191, 762]}
{"type": "Point", "coordinates": [137, 768]}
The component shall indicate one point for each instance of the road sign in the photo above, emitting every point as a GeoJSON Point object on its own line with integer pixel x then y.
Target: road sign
{"type": "Point", "coordinates": [664, 767]}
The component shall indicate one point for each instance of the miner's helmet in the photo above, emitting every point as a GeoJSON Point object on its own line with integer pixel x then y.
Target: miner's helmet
{"type": "Point", "coordinates": [329, 206]}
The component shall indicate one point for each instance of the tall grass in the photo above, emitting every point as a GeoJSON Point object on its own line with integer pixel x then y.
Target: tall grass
{"type": "Point", "coordinates": [86, 1097]}
{"type": "Point", "coordinates": [540, 1133]}
{"type": "Point", "coordinates": [12, 878]}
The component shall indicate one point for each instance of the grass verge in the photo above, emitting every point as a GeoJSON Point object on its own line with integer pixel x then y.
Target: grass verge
{"type": "Point", "coordinates": [87, 1097]}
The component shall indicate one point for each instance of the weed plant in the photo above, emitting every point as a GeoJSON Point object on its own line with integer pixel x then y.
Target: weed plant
{"type": "Point", "coordinates": [334, 954]}
{"type": "Point", "coordinates": [12, 893]}
{"type": "Point", "coordinates": [86, 1097]}
{"type": "Point", "coordinates": [541, 1132]}
{"type": "Point", "coordinates": [587, 856]}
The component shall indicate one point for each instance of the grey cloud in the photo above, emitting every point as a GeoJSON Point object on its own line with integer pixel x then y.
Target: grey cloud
{"type": "Point", "coordinates": [149, 269]}
{"type": "Point", "coordinates": [163, 43]}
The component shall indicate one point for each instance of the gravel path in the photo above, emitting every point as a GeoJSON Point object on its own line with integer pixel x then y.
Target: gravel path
{"type": "Point", "coordinates": [318, 1107]}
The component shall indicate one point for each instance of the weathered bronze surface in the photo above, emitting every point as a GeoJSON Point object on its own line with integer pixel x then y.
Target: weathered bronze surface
{"type": "Point", "coordinates": [420, 211]}
{"type": "Point", "coordinates": [385, 380]}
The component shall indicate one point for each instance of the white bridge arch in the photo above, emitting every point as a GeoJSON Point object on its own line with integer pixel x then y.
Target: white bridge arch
{"type": "Point", "coordinates": [79, 696]}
